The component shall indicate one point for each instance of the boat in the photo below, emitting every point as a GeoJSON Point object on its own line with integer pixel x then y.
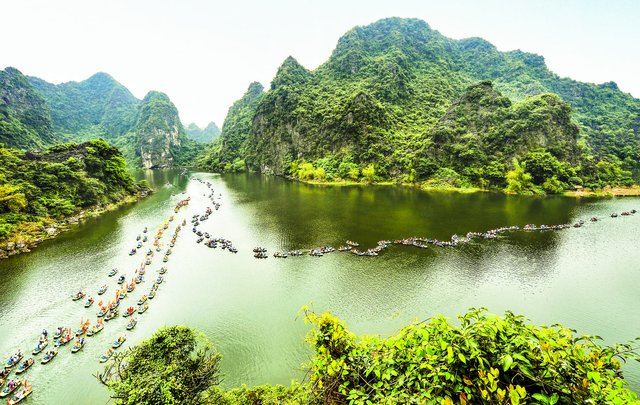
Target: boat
{"type": "Point", "coordinates": [64, 340]}
{"type": "Point", "coordinates": [79, 295]}
{"type": "Point", "coordinates": [102, 312]}
{"type": "Point", "coordinates": [58, 333]}
{"type": "Point", "coordinates": [88, 303]}
{"type": "Point", "coordinates": [132, 252]}
{"type": "Point", "coordinates": [162, 270]}
{"type": "Point", "coordinates": [83, 329]}
{"type": "Point", "coordinates": [40, 346]}
{"type": "Point", "coordinates": [121, 279]}
{"type": "Point", "coordinates": [130, 311]}
{"type": "Point", "coordinates": [152, 294]}
{"type": "Point", "coordinates": [131, 287]}
{"type": "Point", "coordinates": [119, 342]}
{"type": "Point", "coordinates": [132, 324]}
{"type": "Point", "coordinates": [142, 299]}
{"type": "Point", "coordinates": [154, 286]}
{"type": "Point", "coordinates": [165, 259]}
{"type": "Point", "coordinates": [138, 237]}
{"type": "Point", "coordinates": [11, 386]}
{"type": "Point", "coordinates": [96, 329]}
{"type": "Point", "coordinates": [139, 245]}
{"type": "Point", "coordinates": [143, 308]}
{"type": "Point", "coordinates": [106, 356]}
{"type": "Point", "coordinates": [139, 279]}
{"type": "Point", "coordinates": [145, 238]}
{"type": "Point", "coordinates": [103, 289]}
{"type": "Point", "coordinates": [25, 392]}
{"type": "Point", "coordinates": [121, 295]}
{"type": "Point", "coordinates": [159, 280]}
{"type": "Point", "coordinates": [79, 345]}
{"type": "Point", "coordinates": [13, 360]}
{"type": "Point", "coordinates": [145, 230]}
{"type": "Point", "coordinates": [111, 314]}
{"type": "Point", "coordinates": [25, 366]}
{"type": "Point", "coordinates": [148, 261]}
{"type": "Point", "coordinates": [48, 356]}
{"type": "Point", "coordinates": [113, 272]}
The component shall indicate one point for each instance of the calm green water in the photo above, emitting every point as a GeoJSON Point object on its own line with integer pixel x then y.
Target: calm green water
{"type": "Point", "coordinates": [586, 278]}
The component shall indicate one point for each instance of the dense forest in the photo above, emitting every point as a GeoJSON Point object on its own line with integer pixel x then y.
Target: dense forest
{"type": "Point", "coordinates": [40, 189]}
{"type": "Point", "coordinates": [397, 100]}
{"type": "Point", "coordinates": [35, 114]}
{"type": "Point", "coordinates": [485, 359]}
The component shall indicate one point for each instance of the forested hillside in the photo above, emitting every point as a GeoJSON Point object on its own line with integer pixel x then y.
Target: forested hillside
{"type": "Point", "coordinates": [38, 189]}
{"type": "Point", "coordinates": [403, 102]}
{"type": "Point", "coordinates": [35, 114]}
{"type": "Point", "coordinates": [25, 118]}
{"type": "Point", "coordinates": [203, 135]}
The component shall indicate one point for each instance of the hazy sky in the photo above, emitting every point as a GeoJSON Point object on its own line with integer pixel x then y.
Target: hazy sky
{"type": "Point", "coordinates": [204, 54]}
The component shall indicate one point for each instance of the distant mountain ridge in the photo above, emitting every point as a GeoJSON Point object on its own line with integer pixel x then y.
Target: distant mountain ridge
{"type": "Point", "coordinates": [35, 114]}
{"type": "Point", "coordinates": [203, 135]}
{"type": "Point", "coordinates": [381, 98]}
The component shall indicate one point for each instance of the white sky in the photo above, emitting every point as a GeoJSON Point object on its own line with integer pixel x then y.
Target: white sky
{"type": "Point", "coordinates": [204, 54]}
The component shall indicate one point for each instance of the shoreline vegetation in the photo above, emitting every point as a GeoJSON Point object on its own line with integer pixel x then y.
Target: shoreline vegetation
{"type": "Point", "coordinates": [43, 193]}
{"type": "Point", "coordinates": [481, 358]}
{"type": "Point", "coordinates": [31, 234]}
{"type": "Point", "coordinates": [607, 191]}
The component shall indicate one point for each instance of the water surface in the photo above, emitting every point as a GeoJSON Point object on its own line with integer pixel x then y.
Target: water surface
{"type": "Point", "coordinates": [586, 278]}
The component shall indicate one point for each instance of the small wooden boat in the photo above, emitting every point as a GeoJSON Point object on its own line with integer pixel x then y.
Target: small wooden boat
{"type": "Point", "coordinates": [159, 280]}
{"type": "Point", "coordinates": [58, 333]}
{"type": "Point", "coordinates": [113, 272]}
{"type": "Point", "coordinates": [119, 342]}
{"type": "Point", "coordinates": [152, 294]}
{"type": "Point", "coordinates": [145, 230]}
{"type": "Point", "coordinates": [48, 356]}
{"type": "Point", "coordinates": [79, 345]}
{"type": "Point", "coordinates": [130, 311]}
{"type": "Point", "coordinates": [132, 252]}
{"type": "Point", "coordinates": [102, 312]}
{"type": "Point", "coordinates": [25, 366]}
{"type": "Point", "coordinates": [82, 330]}
{"type": "Point", "coordinates": [64, 340]}
{"type": "Point", "coordinates": [15, 359]}
{"type": "Point", "coordinates": [88, 303]}
{"type": "Point", "coordinates": [78, 296]}
{"type": "Point", "coordinates": [111, 314]}
{"type": "Point", "coordinates": [106, 356]}
{"type": "Point", "coordinates": [165, 259]}
{"type": "Point", "coordinates": [96, 329]}
{"type": "Point", "coordinates": [145, 238]}
{"type": "Point", "coordinates": [25, 392]}
{"type": "Point", "coordinates": [140, 278]}
{"type": "Point", "coordinates": [103, 289]}
{"type": "Point", "coordinates": [155, 286]}
{"type": "Point", "coordinates": [138, 237]}
{"type": "Point", "coordinates": [139, 245]}
{"type": "Point", "coordinates": [11, 386]}
{"type": "Point", "coordinates": [148, 261]}
{"type": "Point", "coordinates": [143, 299]}
{"type": "Point", "coordinates": [162, 270]}
{"type": "Point", "coordinates": [40, 346]}
{"type": "Point", "coordinates": [143, 308]}
{"type": "Point", "coordinates": [121, 279]}
{"type": "Point", "coordinates": [122, 294]}
{"type": "Point", "coordinates": [130, 288]}
{"type": "Point", "coordinates": [132, 324]}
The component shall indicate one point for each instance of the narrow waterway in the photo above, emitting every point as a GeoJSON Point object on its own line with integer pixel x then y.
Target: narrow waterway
{"type": "Point", "coordinates": [586, 278]}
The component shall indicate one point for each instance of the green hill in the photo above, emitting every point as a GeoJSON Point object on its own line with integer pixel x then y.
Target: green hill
{"type": "Point", "coordinates": [25, 118]}
{"type": "Point", "coordinates": [387, 97]}
{"type": "Point", "coordinates": [203, 135]}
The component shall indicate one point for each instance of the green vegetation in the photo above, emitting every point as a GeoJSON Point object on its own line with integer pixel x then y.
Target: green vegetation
{"type": "Point", "coordinates": [203, 135]}
{"type": "Point", "coordinates": [486, 359]}
{"type": "Point", "coordinates": [227, 151]}
{"type": "Point", "coordinates": [401, 97]}
{"type": "Point", "coordinates": [25, 120]}
{"type": "Point", "coordinates": [38, 189]}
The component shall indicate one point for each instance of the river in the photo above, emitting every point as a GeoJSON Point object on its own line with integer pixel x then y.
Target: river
{"type": "Point", "coordinates": [585, 278]}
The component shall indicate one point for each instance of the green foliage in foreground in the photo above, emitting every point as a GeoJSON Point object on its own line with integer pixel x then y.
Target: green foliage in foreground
{"type": "Point", "coordinates": [59, 182]}
{"type": "Point", "coordinates": [175, 366]}
{"type": "Point", "coordinates": [486, 359]}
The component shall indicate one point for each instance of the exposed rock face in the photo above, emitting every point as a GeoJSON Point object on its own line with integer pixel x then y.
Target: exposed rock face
{"type": "Point", "coordinates": [160, 134]}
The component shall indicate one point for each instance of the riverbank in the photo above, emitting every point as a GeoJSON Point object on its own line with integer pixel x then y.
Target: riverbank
{"type": "Point", "coordinates": [633, 191]}
{"type": "Point", "coordinates": [32, 233]}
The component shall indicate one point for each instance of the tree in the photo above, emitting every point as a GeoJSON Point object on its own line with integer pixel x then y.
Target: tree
{"type": "Point", "coordinates": [518, 180]}
{"type": "Point", "coordinates": [174, 366]}
{"type": "Point", "coordinates": [369, 173]}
